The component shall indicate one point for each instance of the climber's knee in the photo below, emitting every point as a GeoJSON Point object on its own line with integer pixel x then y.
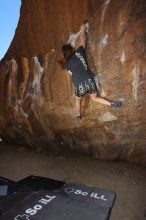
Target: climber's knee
{"type": "Point", "coordinates": [78, 99]}
{"type": "Point", "coordinates": [93, 96]}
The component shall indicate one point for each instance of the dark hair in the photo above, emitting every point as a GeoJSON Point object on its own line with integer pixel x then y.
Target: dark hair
{"type": "Point", "coordinates": [67, 51]}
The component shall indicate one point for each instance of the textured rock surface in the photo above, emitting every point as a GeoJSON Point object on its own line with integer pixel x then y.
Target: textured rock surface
{"type": "Point", "coordinates": [37, 98]}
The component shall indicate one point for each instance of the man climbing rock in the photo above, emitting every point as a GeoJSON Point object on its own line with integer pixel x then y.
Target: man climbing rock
{"type": "Point", "coordinates": [75, 63]}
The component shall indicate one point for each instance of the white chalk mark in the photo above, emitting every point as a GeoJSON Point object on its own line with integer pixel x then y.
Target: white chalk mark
{"type": "Point", "coordinates": [135, 82]}
{"type": "Point", "coordinates": [73, 36]}
{"type": "Point", "coordinates": [37, 72]}
{"type": "Point", "coordinates": [23, 113]}
{"type": "Point", "coordinates": [107, 117]}
{"type": "Point", "coordinates": [105, 6]}
{"type": "Point", "coordinates": [53, 50]}
{"type": "Point", "coordinates": [107, 2]}
{"type": "Point", "coordinates": [122, 58]}
{"type": "Point", "coordinates": [104, 41]}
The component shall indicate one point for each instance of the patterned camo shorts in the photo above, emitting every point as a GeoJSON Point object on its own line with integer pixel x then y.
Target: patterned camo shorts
{"type": "Point", "coordinates": [85, 87]}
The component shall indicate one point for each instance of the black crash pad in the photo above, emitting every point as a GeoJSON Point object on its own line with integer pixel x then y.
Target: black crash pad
{"type": "Point", "coordinates": [71, 202]}
{"type": "Point", "coordinates": [36, 183]}
{"type": "Point", "coordinates": [21, 189]}
{"type": "Point", "coordinates": [7, 187]}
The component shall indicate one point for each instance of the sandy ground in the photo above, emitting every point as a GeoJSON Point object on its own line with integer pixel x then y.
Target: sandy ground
{"type": "Point", "coordinates": [127, 180]}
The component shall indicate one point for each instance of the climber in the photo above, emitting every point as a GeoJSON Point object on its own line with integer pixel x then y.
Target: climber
{"type": "Point", "coordinates": [75, 63]}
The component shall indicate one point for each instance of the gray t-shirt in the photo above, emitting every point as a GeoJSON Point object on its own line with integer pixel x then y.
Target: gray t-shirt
{"type": "Point", "coordinates": [77, 64]}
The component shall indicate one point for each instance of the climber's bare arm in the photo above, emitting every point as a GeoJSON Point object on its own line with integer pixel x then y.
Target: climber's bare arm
{"type": "Point", "coordinates": [81, 40]}
{"type": "Point", "coordinates": [82, 36]}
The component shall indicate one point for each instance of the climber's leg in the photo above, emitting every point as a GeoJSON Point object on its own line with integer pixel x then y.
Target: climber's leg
{"type": "Point", "coordinates": [80, 91]}
{"type": "Point", "coordinates": [93, 93]}
{"type": "Point", "coordinates": [78, 106]}
{"type": "Point", "coordinates": [116, 104]}
{"type": "Point", "coordinates": [101, 100]}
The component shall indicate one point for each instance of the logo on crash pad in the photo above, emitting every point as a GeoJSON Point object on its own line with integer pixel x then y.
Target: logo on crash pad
{"type": "Point", "coordinates": [36, 208]}
{"type": "Point", "coordinates": [22, 217]}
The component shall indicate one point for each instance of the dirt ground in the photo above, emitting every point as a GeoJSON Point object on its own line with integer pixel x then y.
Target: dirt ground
{"type": "Point", "coordinates": [127, 180]}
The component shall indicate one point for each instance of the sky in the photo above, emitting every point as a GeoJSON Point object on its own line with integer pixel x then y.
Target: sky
{"type": "Point", "coordinates": [9, 17]}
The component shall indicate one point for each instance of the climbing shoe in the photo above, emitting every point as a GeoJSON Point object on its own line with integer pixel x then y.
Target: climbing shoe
{"type": "Point", "coordinates": [116, 104]}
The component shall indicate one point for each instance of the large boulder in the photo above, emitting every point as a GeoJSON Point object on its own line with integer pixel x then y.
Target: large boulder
{"type": "Point", "coordinates": [37, 96]}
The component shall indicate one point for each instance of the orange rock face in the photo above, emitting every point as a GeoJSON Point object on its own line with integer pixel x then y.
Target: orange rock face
{"type": "Point", "coordinates": [37, 96]}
